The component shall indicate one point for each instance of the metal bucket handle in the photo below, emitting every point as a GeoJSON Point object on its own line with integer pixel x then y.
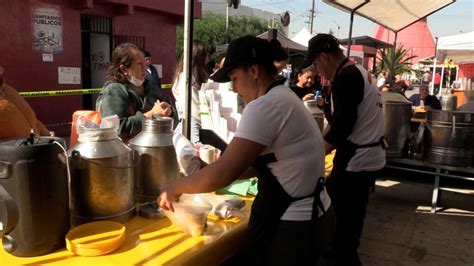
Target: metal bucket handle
{"type": "Point", "coordinates": [77, 158]}
{"type": "Point", "coordinates": [453, 126]}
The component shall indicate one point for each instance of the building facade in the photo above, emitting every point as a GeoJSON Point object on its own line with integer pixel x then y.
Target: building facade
{"type": "Point", "coordinates": [52, 45]}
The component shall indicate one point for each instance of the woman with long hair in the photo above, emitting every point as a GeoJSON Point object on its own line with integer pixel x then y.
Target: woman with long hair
{"type": "Point", "coordinates": [200, 58]}
{"type": "Point", "coordinates": [127, 94]}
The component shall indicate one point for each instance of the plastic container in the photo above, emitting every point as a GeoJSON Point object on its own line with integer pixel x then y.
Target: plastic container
{"type": "Point", "coordinates": [95, 238]}
{"type": "Point", "coordinates": [189, 215]}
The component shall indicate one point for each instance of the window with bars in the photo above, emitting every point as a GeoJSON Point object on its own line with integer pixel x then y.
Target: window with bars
{"type": "Point", "coordinates": [137, 40]}
{"type": "Point", "coordinates": [96, 24]}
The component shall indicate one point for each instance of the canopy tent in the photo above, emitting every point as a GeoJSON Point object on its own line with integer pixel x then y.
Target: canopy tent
{"type": "Point", "coordinates": [292, 46]}
{"type": "Point", "coordinates": [458, 47]}
{"type": "Point", "coordinates": [353, 53]}
{"type": "Point", "coordinates": [302, 37]}
{"type": "Point", "coordinates": [366, 41]}
{"type": "Point", "coordinates": [393, 15]}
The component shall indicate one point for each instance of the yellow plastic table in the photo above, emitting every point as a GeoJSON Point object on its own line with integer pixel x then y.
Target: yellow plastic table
{"type": "Point", "coordinates": [157, 242]}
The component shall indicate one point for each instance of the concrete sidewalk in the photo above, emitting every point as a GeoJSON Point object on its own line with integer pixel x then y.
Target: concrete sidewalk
{"type": "Point", "coordinates": [400, 230]}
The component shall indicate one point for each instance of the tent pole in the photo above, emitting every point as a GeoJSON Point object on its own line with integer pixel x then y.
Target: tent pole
{"type": "Point", "coordinates": [392, 67]}
{"type": "Point", "coordinates": [227, 24]}
{"type": "Point", "coordinates": [187, 64]}
{"type": "Point", "coordinates": [434, 66]}
{"type": "Point", "coordinates": [350, 27]}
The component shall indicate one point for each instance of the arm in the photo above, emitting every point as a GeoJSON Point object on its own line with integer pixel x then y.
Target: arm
{"type": "Point", "coordinates": [328, 148]}
{"type": "Point", "coordinates": [115, 100]}
{"type": "Point", "coordinates": [236, 160]}
{"type": "Point", "coordinates": [348, 92]}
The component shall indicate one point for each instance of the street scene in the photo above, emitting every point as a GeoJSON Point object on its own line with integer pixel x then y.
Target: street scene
{"type": "Point", "coordinates": [237, 132]}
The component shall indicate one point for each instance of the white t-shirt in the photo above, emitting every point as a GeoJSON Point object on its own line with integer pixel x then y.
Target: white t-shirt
{"type": "Point", "coordinates": [178, 89]}
{"type": "Point", "coordinates": [280, 121]}
{"type": "Point", "coordinates": [368, 129]}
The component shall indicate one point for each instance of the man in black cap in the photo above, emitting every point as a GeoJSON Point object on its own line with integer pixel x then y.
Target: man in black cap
{"type": "Point", "coordinates": [355, 130]}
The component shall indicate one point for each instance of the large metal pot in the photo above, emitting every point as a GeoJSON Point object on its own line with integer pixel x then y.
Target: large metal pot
{"type": "Point", "coordinates": [449, 102]}
{"type": "Point", "coordinates": [317, 114]}
{"type": "Point", "coordinates": [450, 139]}
{"type": "Point", "coordinates": [158, 164]}
{"type": "Point", "coordinates": [396, 125]}
{"type": "Point", "coordinates": [102, 180]}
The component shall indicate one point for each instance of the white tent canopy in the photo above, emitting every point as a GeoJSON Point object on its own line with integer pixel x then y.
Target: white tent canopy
{"type": "Point", "coordinates": [302, 37]}
{"type": "Point", "coordinates": [458, 47]}
{"type": "Point", "coordinates": [393, 15]}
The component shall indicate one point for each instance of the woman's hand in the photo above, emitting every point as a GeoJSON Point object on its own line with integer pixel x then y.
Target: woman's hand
{"type": "Point", "coordinates": [167, 197]}
{"type": "Point", "coordinates": [161, 109]}
{"type": "Point", "coordinates": [308, 96]}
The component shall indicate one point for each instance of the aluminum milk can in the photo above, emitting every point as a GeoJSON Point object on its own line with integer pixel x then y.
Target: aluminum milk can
{"type": "Point", "coordinates": [158, 165]}
{"type": "Point", "coordinates": [317, 114]}
{"type": "Point", "coordinates": [102, 180]}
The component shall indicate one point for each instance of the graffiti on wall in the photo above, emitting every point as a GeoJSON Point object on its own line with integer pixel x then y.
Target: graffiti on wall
{"type": "Point", "coordinates": [46, 26]}
{"type": "Point", "coordinates": [99, 62]}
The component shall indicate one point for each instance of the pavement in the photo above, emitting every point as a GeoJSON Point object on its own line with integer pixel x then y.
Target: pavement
{"type": "Point", "coordinates": [399, 229]}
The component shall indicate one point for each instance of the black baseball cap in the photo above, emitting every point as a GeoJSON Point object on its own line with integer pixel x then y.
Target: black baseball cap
{"type": "Point", "coordinates": [321, 43]}
{"type": "Point", "coordinates": [243, 51]}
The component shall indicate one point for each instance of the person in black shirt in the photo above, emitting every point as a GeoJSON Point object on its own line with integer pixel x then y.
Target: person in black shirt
{"type": "Point", "coordinates": [428, 100]}
{"type": "Point", "coordinates": [152, 72]}
{"type": "Point", "coordinates": [304, 86]}
{"type": "Point", "coordinates": [355, 131]}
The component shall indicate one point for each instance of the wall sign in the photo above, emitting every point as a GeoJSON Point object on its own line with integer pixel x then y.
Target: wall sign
{"type": "Point", "coordinates": [69, 75]}
{"type": "Point", "coordinates": [47, 57]}
{"type": "Point", "coordinates": [46, 26]}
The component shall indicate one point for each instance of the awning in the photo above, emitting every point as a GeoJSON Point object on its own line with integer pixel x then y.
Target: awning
{"type": "Point", "coordinates": [286, 42]}
{"type": "Point", "coordinates": [458, 47]}
{"type": "Point", "coordinates": [393, 15]}
{"type": "Point", "coordinates": [366, 41]}
{"type": "Point", "coordinates": [302, 37]}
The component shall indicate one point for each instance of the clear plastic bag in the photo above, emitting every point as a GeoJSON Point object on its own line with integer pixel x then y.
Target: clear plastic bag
{"type": "Point", "coordinates": [223, 206]}
{"type": "Point", "coordinates": [189, 215]}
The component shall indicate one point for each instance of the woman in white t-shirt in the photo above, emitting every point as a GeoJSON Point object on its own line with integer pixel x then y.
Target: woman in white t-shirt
{"type": "Point", "coordinates": [200, 58]}
{"type": "Point", "coordinates": [277, 140]}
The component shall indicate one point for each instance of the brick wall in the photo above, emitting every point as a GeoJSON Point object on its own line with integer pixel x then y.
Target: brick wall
{"type": "Point", "coordinates": [466, 70]}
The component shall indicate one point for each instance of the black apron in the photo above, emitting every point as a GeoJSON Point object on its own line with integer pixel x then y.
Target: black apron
{"type": "Point", "coordinates": [346, 150]}
{"type": "Point", "coordinates": [269, 205]}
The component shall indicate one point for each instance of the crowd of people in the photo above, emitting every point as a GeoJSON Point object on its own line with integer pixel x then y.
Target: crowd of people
{"type": "Point", "coordinates": [299, 216]}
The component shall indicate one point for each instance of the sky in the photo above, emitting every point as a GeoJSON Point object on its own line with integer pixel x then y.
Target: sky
{"type": "Point", "coordinates": [455, 18]}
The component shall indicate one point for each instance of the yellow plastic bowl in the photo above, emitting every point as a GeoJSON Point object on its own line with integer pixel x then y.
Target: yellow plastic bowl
{"type": "Point", "coordinates": [95, 238]}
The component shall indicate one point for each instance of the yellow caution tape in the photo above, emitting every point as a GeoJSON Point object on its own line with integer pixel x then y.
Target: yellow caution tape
{"type": "Point", "coordinates": [58, 92]}
{"type": "Point", "coordinates": [70, 92]}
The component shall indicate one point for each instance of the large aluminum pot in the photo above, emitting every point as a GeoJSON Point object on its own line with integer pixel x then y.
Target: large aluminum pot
{"type": "Point", "coordinates": [158, 164]}
{"type": "Point", "coordinates": [450, 139]}
{"type": "Point", "coordinates": [396, 125]}
{"type": "Point", "coordinates": [449, 102]}
{"type": "Point", "coordinates": [317, 114]}
{"type": "Point", "coordinates": [102, 180]}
